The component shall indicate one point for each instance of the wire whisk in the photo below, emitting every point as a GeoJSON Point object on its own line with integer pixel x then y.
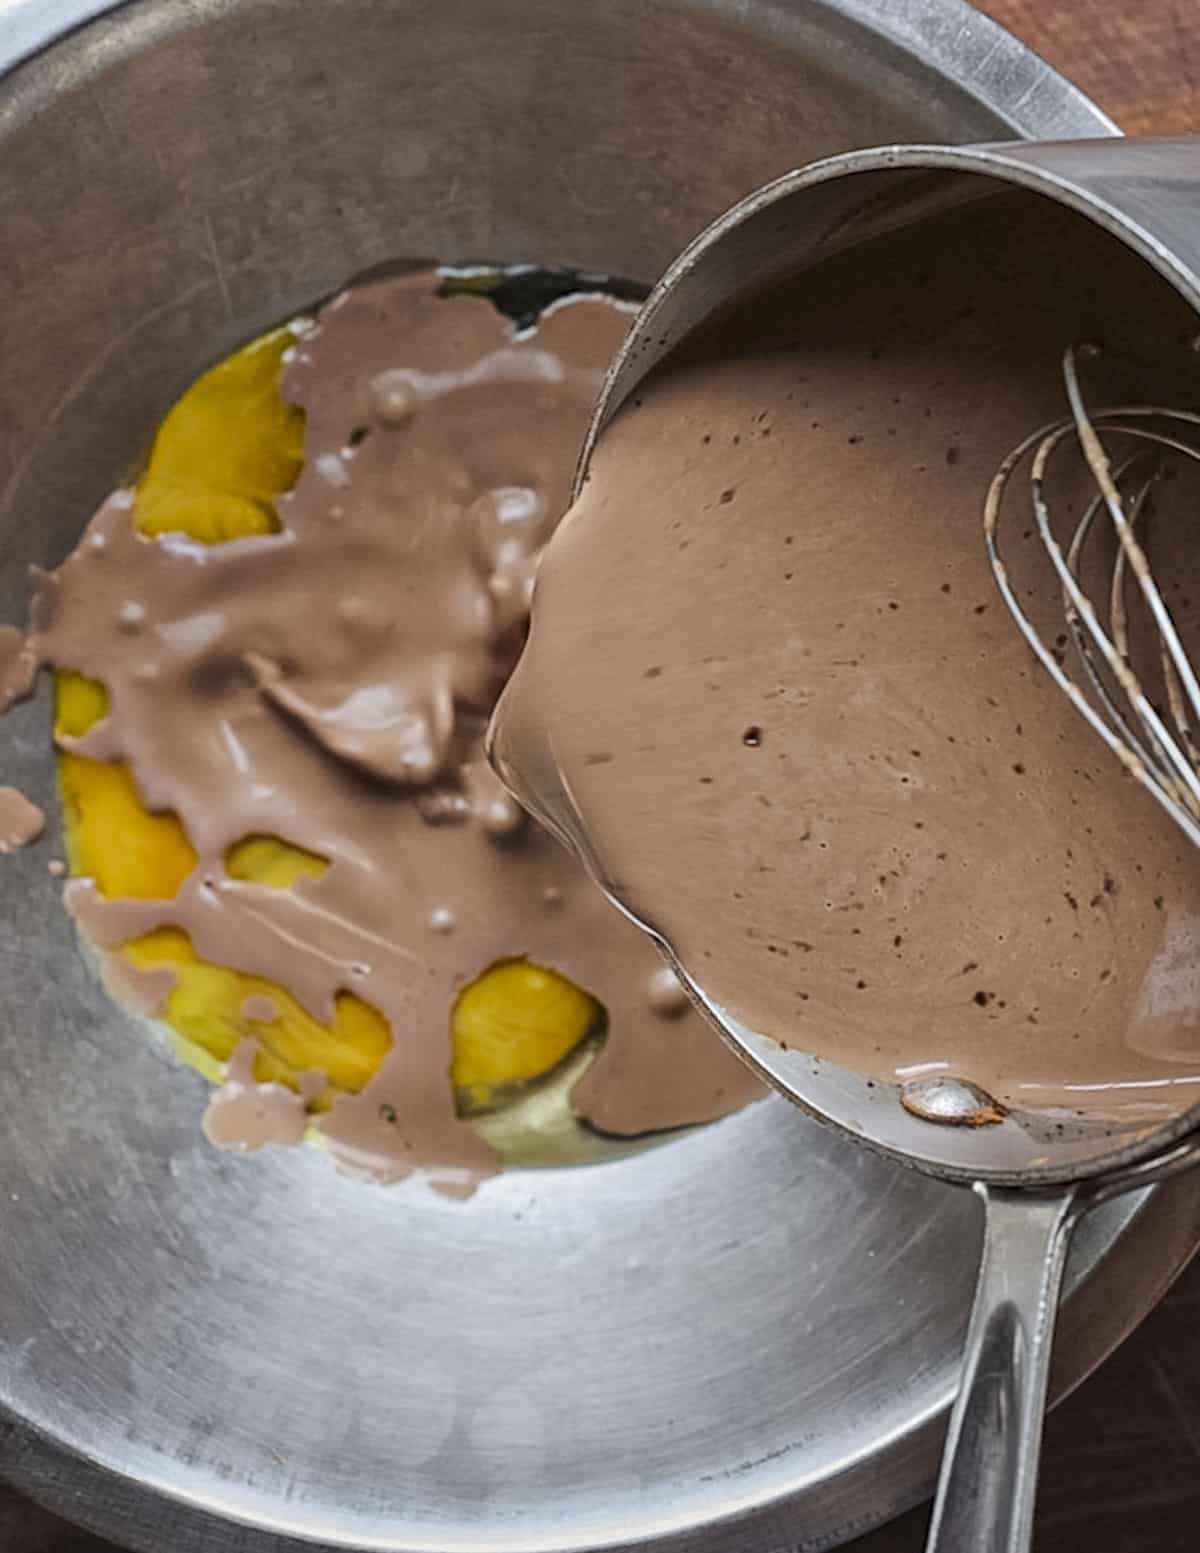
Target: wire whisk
{"type": "Point", "coordinates": [1157, 745]}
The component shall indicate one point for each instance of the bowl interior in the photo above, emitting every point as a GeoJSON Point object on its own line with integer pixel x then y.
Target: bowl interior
{"type": "Point", "coordinates": [748, 1325]}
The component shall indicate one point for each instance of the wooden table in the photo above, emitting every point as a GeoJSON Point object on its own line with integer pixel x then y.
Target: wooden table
{"type": "Point", "coordinates": [1139, 59]}
{"type": "Point", "coordinates": [1121, 1465]}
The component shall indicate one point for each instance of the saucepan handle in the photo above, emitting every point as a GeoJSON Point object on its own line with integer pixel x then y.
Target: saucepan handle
{"type": "Point", "coordinates": [988, 1480]}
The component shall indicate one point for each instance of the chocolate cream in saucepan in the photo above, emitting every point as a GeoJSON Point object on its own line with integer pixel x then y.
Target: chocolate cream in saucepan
{"type": "Point", "coordinates": [772, 692]}
{"type": "Point", "coordinates": [329, 684]}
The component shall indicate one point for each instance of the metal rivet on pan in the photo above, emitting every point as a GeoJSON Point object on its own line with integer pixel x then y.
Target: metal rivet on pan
{"type": "Point", "coordinates": [954, 1102]}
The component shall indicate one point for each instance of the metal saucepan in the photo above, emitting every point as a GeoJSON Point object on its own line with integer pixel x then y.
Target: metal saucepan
{"type": "Point", "coordinates": [1036, 1181]}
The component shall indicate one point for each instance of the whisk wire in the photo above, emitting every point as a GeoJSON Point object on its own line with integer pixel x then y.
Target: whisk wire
{"type": "Point", "coordinates": [1162, 758]}
{"type": "Point", "coordinates": [1178, 702]}
{"type": "Point", "coordinates": [1166, 758]}
{"type": "Point", "coordinates": [1117, 621]}
{"type": "Point", "coordinates": [1098, 463]}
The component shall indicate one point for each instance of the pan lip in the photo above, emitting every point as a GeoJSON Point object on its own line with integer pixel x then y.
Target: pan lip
{"type": "Point", "coordinates": [1000, 162]}
{"type": "Point", "coordinates": [125, 1506]}
{"type": "Point", "coordinates": [1149, 1146]}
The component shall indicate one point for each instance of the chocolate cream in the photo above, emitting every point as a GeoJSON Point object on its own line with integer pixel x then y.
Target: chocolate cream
{"type": "Point", "coordinates": [772, 694]}
{"type": "Point", "coordinates": [329, 684]}
{"type": "Point", "coordinates": [21, 821]}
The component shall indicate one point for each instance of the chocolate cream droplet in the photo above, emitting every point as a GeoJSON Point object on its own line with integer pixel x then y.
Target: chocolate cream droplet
{"type": "Point", "coordinates": [393, 398]}
{"type": "Point", "coordinates": [331, 468]}
{"type": "Point", "coordinates": [246, 1115]}
{"type": "Point", "coordinates": [666, 994]}
{"type": "Point", "coordinates": [18, 666]}
{"type": "Point", "coordinates": [501, 817]}
{"type": "Point", "coordinates": [497, 811]}
{"type": "Point", "coordinates": [443, 806]}
{"type": "Point", "coordinates": [20, 820]}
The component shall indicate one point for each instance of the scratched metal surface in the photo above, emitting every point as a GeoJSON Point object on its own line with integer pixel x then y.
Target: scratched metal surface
{"type": "Point", "coordinates": [1121, 1466]}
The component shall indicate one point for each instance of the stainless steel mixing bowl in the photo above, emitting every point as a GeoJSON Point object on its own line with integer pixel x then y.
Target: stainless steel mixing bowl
{"type": "Point", "coordinates": [204, 1352]}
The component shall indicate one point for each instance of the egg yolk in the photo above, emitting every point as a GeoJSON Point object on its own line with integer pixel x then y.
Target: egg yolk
{"type": "Point", "coordinates": [225, 450]}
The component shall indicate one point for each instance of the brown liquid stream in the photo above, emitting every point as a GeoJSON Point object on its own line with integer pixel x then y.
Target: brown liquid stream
{"type": "Point", "coordinates": [772, 693]}
{"type": "Point", "coordinates": [329, 684]}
